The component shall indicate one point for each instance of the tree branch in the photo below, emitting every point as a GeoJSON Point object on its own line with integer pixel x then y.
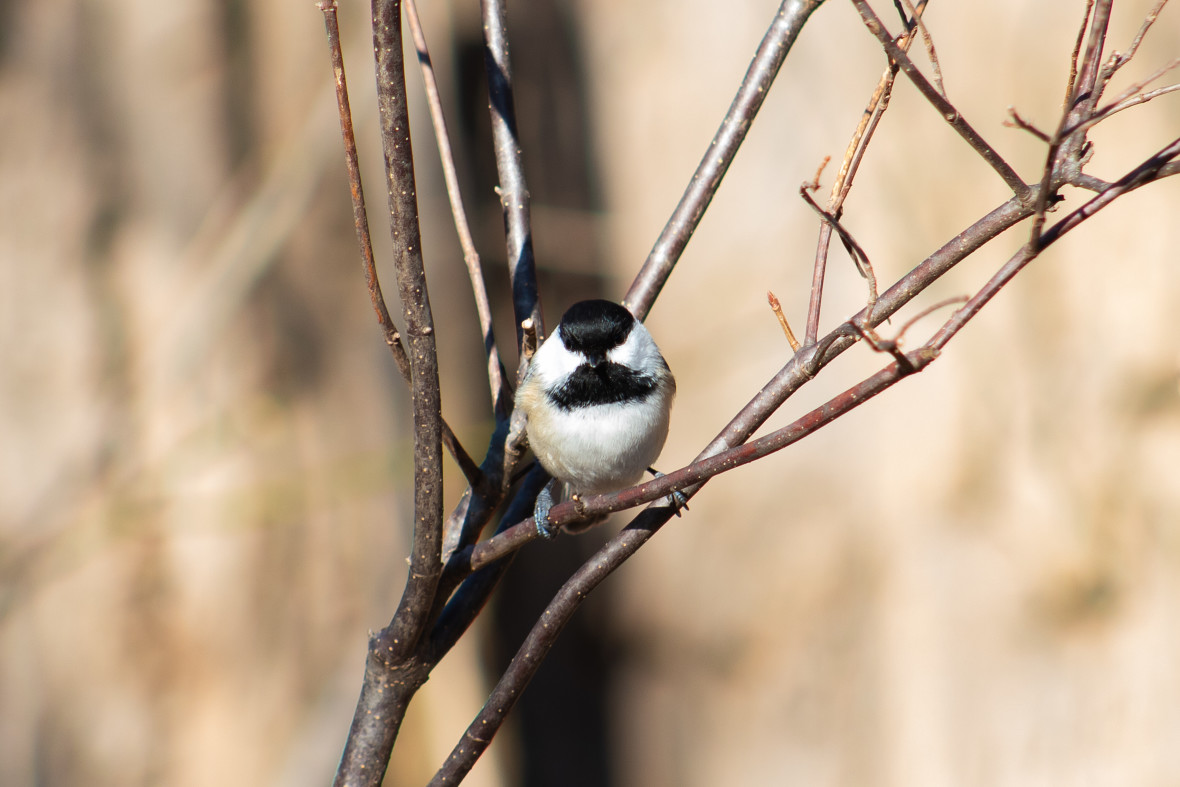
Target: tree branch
{"type": "Point", "coordinates": [769, 57]}
{"type": "Point", "coordinates": [801, 369]}
{"type": "Point", "coordinates": [854, 154]}
{"type": "Point", "coordinates": [498, 385]}
{"type": "Point", "coordinates": [361, 222]}
{"type": "Point", "coordinates": [944, 107]}
{"type": "Point", "coordinates": [392, 676]}
{"type": "Point", "coordinates": [627, 542]}
{"type": "Point", "coordinates": [425, 567]}
{"type": "Point", "coordinates": [513, 190]}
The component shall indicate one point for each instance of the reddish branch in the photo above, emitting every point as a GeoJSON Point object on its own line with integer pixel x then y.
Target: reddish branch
{"type": "Point", "coordinates": [361, 221]}
{"type": "Point", "coordinates": [768, 59]}
{"type": "Point", "coordinates": [437, 606]}
{"type": "Point", "coordinates": [499, 388]}
{"type": "Point", "coordinates": [853, 155]}
{"type": "Point", "coordinates": [513, 190]}
{"type": "Point", "coordinates": [392, 675]}
{"type": "Point", "coordinates": [948, 111]}
{"type": "Point", "coordinates": [559, 611]}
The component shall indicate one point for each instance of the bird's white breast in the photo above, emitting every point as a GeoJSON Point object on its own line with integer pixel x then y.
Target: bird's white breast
{"type": "Point", "coordinates": [600, 448]}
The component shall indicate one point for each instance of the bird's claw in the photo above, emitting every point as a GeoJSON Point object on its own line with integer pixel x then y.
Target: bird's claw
{"type": "Point", "coordinates": [541, 513]}
{"type": "Point", "coordinates": [677, 500]}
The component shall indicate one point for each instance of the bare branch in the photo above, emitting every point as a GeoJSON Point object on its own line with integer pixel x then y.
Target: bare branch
{"type": "Point", "coordinates": [545, 632]}
{"type": "Point", "coordinates": [1128, 98]}
{"type": "Point", "coordinates": [361, 221]}
{"type": "Point", "coordinates": [853, 156]}
{"type": "Point", "coordinates": [927, 40]}
{"type": "Point", "coordinates": [1017, 121]}
{"type": "Point", "coordinates": [802, 367]}
{"type": "Point", "coordinates": [1092, 59]}
{"type": "Point", "coordinates": [855, 250]}
{"type": "Point", "coordinates": [1150, 170]}
{"type": "Point", "coordinates": [779, 38]}
{"type": "Point", "coordinates": [777, 308]}
{"type": "Point", "coordinates": [1122, 59]}
{"type": "Point", "coordinates": [1119, 104]}
{"type": "Point", "coordinates": [425, 567]}
{"type": "Point", "coordinates": [359, 212]}
{"type": "Point", "coordinates": [483, 308]}
{"type": "Point", "coordinates": [513, 189]}
{"type": "Point", "coordinates": [391, 675]}
{"type": "Point", "coordinates": [945, 108]}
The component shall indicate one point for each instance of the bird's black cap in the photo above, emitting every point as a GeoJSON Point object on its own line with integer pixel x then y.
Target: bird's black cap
{"type": "Point", "coordinates": [595, 326]}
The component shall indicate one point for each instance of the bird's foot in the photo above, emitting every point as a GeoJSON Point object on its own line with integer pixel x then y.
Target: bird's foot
{"type": "Point", "coordinates": [677, 499]}
{"type": "Point", "coordinates": [541, 512]}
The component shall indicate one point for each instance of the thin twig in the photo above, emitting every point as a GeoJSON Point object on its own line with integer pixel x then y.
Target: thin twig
{"type": "Point", "coordinates": [392, 676]}
{"type": "Point", "coordinates": [360, 216]}
{"type": "Point", "coordinates": [928, 41]}
{"type": "Point", "coordinates": [801, 368]}
{"type": "Point", "coordinates": [1071, 82]}
{"type": "Point", "coordinates": [1151, 169]}
{"type": "Point", "coordinates": [1127, 99]}
{"type": "Point", "coordinates": [470, 256]}
{"type": "Point", "coordinates": [359, 212]}
{"type": "Point", "coordinates": [949, 113]}
{"type": "Point", "coordinates": [1066, 150]}
{"type": "Point", "coordinates": [1118, 60]}
{"type": "Point", "coordinates": [777, 308]}
{"type": "Point", "coordinates": [1086, 94]}
{"type": "Point", "coordinates": [772, 51]}
{"type": "Point", "coordinates": [853, 156]}
{"type": "Point", "coordinates": [513, 189]}
{"type": "Point", "coordinates": [1148, 21]}
{"type": "Point", "coordinates": [557, 614]}
{"type": "Point", "coordinates": [1142, 98]}
{"type": "Point", "coordinates": [855, 250]}
{"type": "Point", "coordinates": [1017, 121]}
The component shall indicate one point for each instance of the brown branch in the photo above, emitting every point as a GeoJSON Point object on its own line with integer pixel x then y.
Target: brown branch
{"type": "Point", "coordinates": [1016, 121]}
{"type": "Point", "coordinates": [927, 40]}
{"type": "Point", "coordinates": [557, 614]}
{"type": "Point", "coordinates": [410, 272]}
{"type": "Point", "coordinates": [779, 38]}
{"type": "Point", "coordinates": [777, 308]}
{"type": "Point", "coordinates": [513, 189]}
{"type": "Point", "coordinates": [853, 156]}
{"type": "Point", "coordinates": [802, 367]}
{"type": "Point", "coordinates": [360, 216]}
{"type": "Point", "coordinates": [391, 674]}
{"type": "Point", "coordinates": [1121, 59]}
{"type": "Point", "coordinates": [855, 250]}
{"type": "Point", "coordinates": [945, 108]}
{"type": "Point", "coordinates": [359, 212]}
{"type": "Point", "coordinates": [1081, 98]}
{"type": "Point", "coordinates": [1150, 170]}
{"type": "Point", "coordinates": [1085, 95]}
{"type": "Point", "coordinates": [499, 388]}
{"type": "Point", "coordinates": [1128, 99]}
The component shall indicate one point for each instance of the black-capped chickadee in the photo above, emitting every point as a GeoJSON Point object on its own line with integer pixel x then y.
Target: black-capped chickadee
{"type": "Point", "coordinates": [598, 395]}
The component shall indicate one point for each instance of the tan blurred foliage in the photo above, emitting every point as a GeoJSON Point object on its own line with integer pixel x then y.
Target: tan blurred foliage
{"type": "Point", "coordinates": [203, 478]}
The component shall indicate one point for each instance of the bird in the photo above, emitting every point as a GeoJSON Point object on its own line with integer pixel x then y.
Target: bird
{"type": "Point", "coordinates": [598, 399]}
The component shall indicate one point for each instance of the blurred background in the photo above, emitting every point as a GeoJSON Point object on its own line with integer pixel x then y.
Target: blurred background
{"type": "Point", "coordinates": [204, 478]}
